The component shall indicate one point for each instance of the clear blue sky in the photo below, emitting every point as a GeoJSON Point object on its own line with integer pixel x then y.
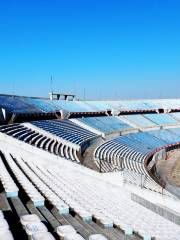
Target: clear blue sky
{"type": "Point", "coordinates": [113, 49]}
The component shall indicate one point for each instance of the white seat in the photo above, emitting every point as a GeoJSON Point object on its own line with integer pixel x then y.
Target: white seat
{"type": "Point", "coordinates": [97, 237]}
{"type": "Point", "coordinates": [147, 237]}
{"type": "Point", "coordinates": [106, 222]}
{"type": "Point", "coordinates": [109, 204]}
{"type": "Point", "coordinates": [6, 235]}
{"type": "Point", "coordinates": [4, 225]}
{"type": "Point", "coordinates": [29, 218]}
{"type": "Point", "coordinates": [74, 236]}
{"type": "Point", "coordinates": [35, 227]}
{"type": "Point", "coordinates": [128, 230]}
{"type": "Point", "coordinates": [42, 236]}
{"type": "Point", "coordinates": [62, 231]}
{"type": "Point", "coordinates": [26, 184]}
{"type": "Point", "coordinates": [1, 215]}
{"type": "Point", "coordinates": [9, 186]}
{"type": "Point", "coordinates": [62, 208]}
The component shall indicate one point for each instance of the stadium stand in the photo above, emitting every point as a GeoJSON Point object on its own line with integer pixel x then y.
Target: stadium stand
{"type": "Point", "coordinates": [66, 130]}
{"type": "Point", "coordinates": [31, 226]}
{"type": "Point", "coordinates": [10, 188]}
{"type": "Point", "coordinates": [139, 121]}
{"type": "Point", "coordinates": [166, 135]}
{"type": "Point", "coordinates": [175, 131]}
{"type": "Point", "coordinates": [165, 103]}
{"type": "Point", "coordinates": [71, 138]}
{"type": "Point", "coordinates": [44, 196]}
{"type": "Point", "coordinates": [28, 187]}
{"type": "Point", "coordinates": [162, 119]}
{"type": "Point", "coordinates": [104, 125]}
{"type": "Point", "coordinates": [131, 152]}
{"type": "Point", "coordinates": [175, 115]}
{"type": "Point", "coordinates": [56, 146]}
{"type": "Point", "coordinates": [123, 146]}
{"type": "Point", "coordinates": [83, 197]}
{"type": "Point", "coordinates": [76, 106]}
{"type": "Point", "coordinates": [19, 108]}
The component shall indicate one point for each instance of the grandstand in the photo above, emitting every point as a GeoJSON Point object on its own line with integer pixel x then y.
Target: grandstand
{"type": "Point", "coordinates": [87, 169]}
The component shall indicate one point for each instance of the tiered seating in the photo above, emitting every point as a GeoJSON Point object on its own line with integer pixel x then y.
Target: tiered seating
{"type": "Point", "coordinates": [28, 187]}
{"type": "Point", "coordinates": [146, 139]}
{"type": "Point", "coordinates": [50, 182]}
{"type": "Point", "coordinates": [68, 232]}
{"type": "Point", "coordinates": [46, 224]}
{"type": "Point", "coordinates": [40, 183]}
{"type": "Point", "coordinates": [36, 230]}
{"type": "Point", "coordinates": [165, 103]}
{"type": "Point", "coordinates": [9, 185]}
{"type": "Point", "coordinates": [175, 115]}
{"type": "Point", "coordinates": [75, 106]}
{"type": "Point", "coordinates": [50, 144]}
{"type": "Point", "coordinates": [81, 187]}
{"type": "Point", "coordinates": [119, 105]}
{"type": "Point", "coordinates": [42, 105]}
{"type": "Point", "coordinates": [33, 226]}
{"type": "Point", "coordinates": [133, 105]}
{"type": "Point", "coordinates": [166, 135]}
{"type": "Point", "coordinates": [17, 104]}
{"type": "Point", "coordinates": [110, 208]}
{"type": "Point", "coordinates": [106, 125]}
{"type": "Point", "coordinates": [139, 121]}
{"type": "Point", "coordinates": [66, 129]}
{"type": "Point", "coordinates": [175, 131]}
{"type": "Point", "coordinates": [124, 152]}
{"type": "Point", "coordinates": [73, 195]}
{"type": "Point", "coordinates": [99, 105]}
{"type": "Point", "coordinates": [161, 119]}
{"type": "Point", "coordinates": [131, 151]}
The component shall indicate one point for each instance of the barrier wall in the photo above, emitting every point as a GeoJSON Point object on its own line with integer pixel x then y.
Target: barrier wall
{"type": "Point", "coordinates": [161, 210]}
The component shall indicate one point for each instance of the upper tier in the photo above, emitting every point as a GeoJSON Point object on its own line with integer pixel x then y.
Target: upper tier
{"type": "Point", "coordinates": [19, 104]}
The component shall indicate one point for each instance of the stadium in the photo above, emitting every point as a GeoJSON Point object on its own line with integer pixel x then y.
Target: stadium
{"type": "Point", "coordinates": [95, 170]}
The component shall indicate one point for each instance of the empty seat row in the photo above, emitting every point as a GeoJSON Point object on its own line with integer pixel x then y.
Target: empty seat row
{"type": "Point", "coordinates": [168, 136]}
{"type": "Point", "coordinates": [104, 124]}
{"type": "Point", "coordinates": [110, 208]}
{"type": "Point", "coordinates": [106, 167]}
{"type": "Point", "coordinates": [17, 104]}
{"type": "Point", "coordinates": [66, 129]}
{"type": "Point", "coordinates": [39, 183]}
{"type": "Point", "coordinates": [120, 152]}
{"type": "Point", "coordinates": [39, 140]}
{"type": "Point", "coordinates": [132, 150]}
{"type": "Point", "coordinates": [34, 228]}
{"type": "Point", "coordinates": [161, 119]}
{"type": "Point", "coordinates": [150, 120]}
{"type": "Point", "coordinates": [84, 191]}
{"type": "Point", "coordinates": [54, 186]}
{"type": "Point", "coordinates": [25, 183]}
{"type": "Point", "coordinates": [139, 120]}
{"type": "Point", "coordinates": [8, 183]}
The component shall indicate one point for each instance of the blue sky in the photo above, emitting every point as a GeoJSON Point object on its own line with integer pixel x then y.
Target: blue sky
{"type": "Point", "coordinates": [112, 49]}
